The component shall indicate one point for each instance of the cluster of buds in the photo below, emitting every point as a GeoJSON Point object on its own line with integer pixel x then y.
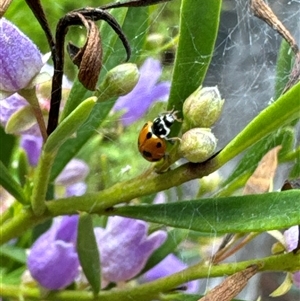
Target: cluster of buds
{"type": "Point", "coordinates": [200, 111]}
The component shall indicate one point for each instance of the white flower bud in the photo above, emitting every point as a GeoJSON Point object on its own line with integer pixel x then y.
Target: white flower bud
{"type": "Point", "coordinates": [202, 108]}
{"type": "Point", "coordinates": [197, 145]}
{"type": "Point", "coordinates": [118, 81]}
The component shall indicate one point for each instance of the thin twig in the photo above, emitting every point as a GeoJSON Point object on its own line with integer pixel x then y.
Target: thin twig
{"type": "Point", "coordinates": [264, 12]}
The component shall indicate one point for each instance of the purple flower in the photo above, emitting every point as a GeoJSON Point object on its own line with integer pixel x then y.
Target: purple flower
{"type": "Point", "coordinates": [291, 239]}
{"type": "Point", "coordinates": [53, 260]}
{"type": "Point", "coordinates": [125, 247]}
{"type": "Point", "coordinates": [20, 59]}
{"type": "Point", "coordinates": [76, 189]}
{"type": "Point", "coordinates": [147, 90]}
{"type": "Point", "coordinates": [74, 172]}
{"type": "Point", "coordinates": [32, 146]}
{"type": "Point", "coordinates": [168, 266]}
{"type": "Point", "coordinates": [10, 105]}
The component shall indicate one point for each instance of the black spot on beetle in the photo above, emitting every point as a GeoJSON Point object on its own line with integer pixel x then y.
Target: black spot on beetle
{"type": "Point", "coordinates": [149, 135]}
{"type": "Point", "coordinates": [147, 154]}
{"type": "Point", "coordinates": [158, 145]}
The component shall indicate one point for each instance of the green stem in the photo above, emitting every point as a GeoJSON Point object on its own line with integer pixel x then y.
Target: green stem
{"type": "Point", "coordinates": [151, 290]}
{"type": "Point", "coordinates": [99, 202]}
{"type": "Point", "coordinates": [30, 96]}
{"type": "Point", "coordinates": [41, 180]}
{"type": "Point", "coordinates": [19, 224]}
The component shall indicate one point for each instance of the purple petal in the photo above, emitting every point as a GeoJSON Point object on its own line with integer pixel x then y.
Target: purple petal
{"type": "Point", "coordinates": [10, 105]}
{"type": "Point", "coordinates": [137, 102]}
{"type": "Point", "coordinates": [291, 238]}
{"type": "Point", "coordinates": [20, 59]}
{"type": "Point", "coordinates": [75, 171]}
{"type": "Point", "coordinates": [52, 262]}
{"type": "Point", "coordinates": [55, 266]}
{"type": "Point", "coordinates": [76, 189]}
{"type": "Point", "coordinates": [125, 248]}
{"type": "Point", "coordinates": [170, 265]}
{"type": "Point", "coordinates": [67, 230]}
{"type": "Point", "coordinates": [161, 91]}
{"type": "Point", "coordinates": [33, 146]}
{"type": "Point", "coordinates": [296, 279]}
{"type": "Point", "coordinates": [160, 198]}
{"type": "Point", "coordinates": [150, 73]}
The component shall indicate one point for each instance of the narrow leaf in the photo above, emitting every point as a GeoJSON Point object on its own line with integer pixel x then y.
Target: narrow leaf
{"type": "Point", "coordinates": [88, 251]}
{"type": "Point", "coordinates": [284, 110]}
{"type": "Point", "coordinates": [283, 67]}
{"type": "Point", "coordinates": [69, 125]}
{"type": "Point", "coordinates": [238, 214]}
{"type": "Point", "coordinates": [14, 253]}
{"type": "Point", "coordinates": [247, 164]}
{"type": "Point", "coordinates": [7, 151]}
{"type": "Point", "coordinates": [11, 185]}
{"type": "Point", "coordinates": [195, 47]}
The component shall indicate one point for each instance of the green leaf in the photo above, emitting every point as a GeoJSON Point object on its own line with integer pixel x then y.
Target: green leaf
{"type": "Point", "coordinates": [284, 110]}
{"type": "Point", "coordinates": [69, 125]}
{"type": "Point", "coordinates": [7, 151]}
{"type": "Point", "coordinates": [249, 162]}
{"type": "Point", "coordinates": [14, 253]}
{"type": "Point", "coordinates": [11, 185]}
{"type": "Point", "coordinates": [195, 47]}
{"type": "Point", "coordinates": [88, 251]}
{"type": "Point", "coordinates": [13, 277]}
{"type": "Point", "coordinates": [283, 67]}
{"type": "Point", "coordinates": [182, 297]}
{"type": "Point", "coordinates": [238, 214]}
{"type": "Point", "coordinates": [137, 20]}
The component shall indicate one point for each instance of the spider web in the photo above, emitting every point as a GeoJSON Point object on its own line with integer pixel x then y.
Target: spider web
{"type": "Point", "coordinates": [244, 68]}
{"type": "Point", "coordinates": [244, 65]}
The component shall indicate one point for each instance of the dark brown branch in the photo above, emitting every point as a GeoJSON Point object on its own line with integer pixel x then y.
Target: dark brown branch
{"type": "Point", "coordinates": [134, 3]}
{"type": "Point", "coordinates": [231, 286]}
{"type": "Point", "coordinates": [264, 12]}
{"type": "Point", "coordinates": [74, 18]}
{"type": "Point", "coordinates": [38, 11]}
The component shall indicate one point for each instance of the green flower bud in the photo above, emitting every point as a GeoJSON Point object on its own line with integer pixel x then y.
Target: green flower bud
{"type": "Point", "coordinates": [118, 81]}
{"type": "Point", "coordinates": [197, 145]}
{"type": "Point", "coordinates": [209, 183]}
{"type": "Point", "coordinates": [202, 108]}
{"type": "Point", "coordinates": [154, 41]}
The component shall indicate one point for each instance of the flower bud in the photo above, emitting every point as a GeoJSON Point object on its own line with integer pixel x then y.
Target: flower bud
{"type": "Point", "coordinates": [118, 81]}
{"type": "Point", "coordinates": [209, 183]}
{"type": "Point", "coordinates": [197, 145]}
{"type": "Point", "coordinates": [202, 108]}
{"type": "Point", "coordinates": [154, 41]}
{"type": "Point", "coordinates": [20, 59]}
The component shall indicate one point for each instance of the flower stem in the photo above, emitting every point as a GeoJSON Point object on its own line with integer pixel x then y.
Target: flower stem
{"type": "Point", "coordinates": [30, 96]}
{"type": "Point", "coordinates": [151, 290]}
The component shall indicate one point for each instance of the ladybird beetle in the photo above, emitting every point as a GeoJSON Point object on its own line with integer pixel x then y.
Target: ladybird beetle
{"type": "Point", "coordinates": [151, 142]}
